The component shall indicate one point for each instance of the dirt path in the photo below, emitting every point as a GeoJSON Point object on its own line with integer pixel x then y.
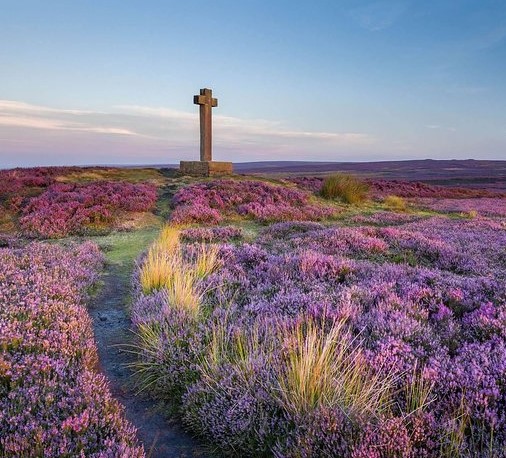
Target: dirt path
{"type": "Point", "coordinates": [111, 325]}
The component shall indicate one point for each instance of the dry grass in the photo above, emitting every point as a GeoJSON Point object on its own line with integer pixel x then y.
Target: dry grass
{"type": "Point", "coordinates": [206, 260]}
{"type": "Point", "coordinates": [237, 348]}
{"type": "Point", "coordinates": [326, 367]}
{"type": "Point", "coordinates": [169, 238]}
{"type": "Point", "coordinates": [349, 189]}
{"type": "Point", "coordinates": [395, 203]}
{"type": "Point", "coordinates": [165, 268]}
{"type": "Point", "coordinates": [157, 270]}
{"type": "Point", "coordinates": [133, 175]}
{"type": "Point", "coordinates": [182, 290]}
{"type": "Point", "coordinates": [418, 394]}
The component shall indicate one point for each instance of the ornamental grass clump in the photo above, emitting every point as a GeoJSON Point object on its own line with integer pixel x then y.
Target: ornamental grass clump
{"type": "Point", "coordinates": [326, 368]}
{"type": "Point", "coordinates": [395, 203]}
{"type": "Point", "coordinates": [349, 189]}
{"type": "Point", "coordinates": [167, 268]}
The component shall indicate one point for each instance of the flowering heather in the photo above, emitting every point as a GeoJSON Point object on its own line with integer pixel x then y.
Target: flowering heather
{"type": "Point", "coordinates": [15, 181]}
{"type": "Point", "coordinates": [212, 234]}
{"type": "Point", "coordinates": [52, 402]}
{"type": "Point", "coordinates": [421, 313]}
{"type": "Point", "coordinates": [379, 189]}
{"type": "Point", "coordinates": [384, 188]}
{"type": "Point", "coordinates": [65, 209]}
{"type": "Point", "coordinates": [211, 202]}
{"type": "Point", "coordinates": [477, 207]}
{"type": "Point", "coordinates": [383, 218]}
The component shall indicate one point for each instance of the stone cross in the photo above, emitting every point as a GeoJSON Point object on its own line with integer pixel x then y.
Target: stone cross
{"type": "Point", "coordinates": [206, 102]}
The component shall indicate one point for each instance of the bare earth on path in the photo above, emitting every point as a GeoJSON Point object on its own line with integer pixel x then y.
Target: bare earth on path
{"type": "Point", "coordinates": [161, 438]}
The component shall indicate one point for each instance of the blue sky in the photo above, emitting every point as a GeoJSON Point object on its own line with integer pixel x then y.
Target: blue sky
{"type": "Point", "coordinates": [113, 81]}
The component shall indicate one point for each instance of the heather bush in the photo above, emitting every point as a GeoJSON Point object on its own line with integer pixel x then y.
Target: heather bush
{"type": "Point", "coordinates": [348, 188]}
{"type": "Point", "coordinates": [384, 218]}
{"type": "Point", "coordinates": [471, 207]}
{"type": "Point", "coordinates": [379, 189]}
{"type": "Point", "coordinates": [52, 402]}
{"type": "Point", "coordinates": [212, 234]}
{"type": "Point", "coordinates": [380, 340]}
{"type": "Point", "coordinates": [66, 209]}
{"type": "Point", "coordinates": [211, 202]}
{"type": "Point", "coordinates": [383, 188]}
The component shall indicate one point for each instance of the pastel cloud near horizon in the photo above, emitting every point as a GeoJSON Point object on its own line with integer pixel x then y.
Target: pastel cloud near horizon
{"type": "Point", "coordinates": [33, 134]}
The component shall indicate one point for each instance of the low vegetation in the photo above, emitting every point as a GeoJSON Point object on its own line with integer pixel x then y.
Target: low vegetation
{"type": "Point", "coordinates": [214, 201]}
{"type": "Point", "coordinates": [379, 189]}
{"type": "Point", "coordinates": [395, 203]}
{"type": "Point", "coordinates": [347, 188]}
{"type": "Point", "coordinates": [270, 321]}
{"type": "Point", "coordinates": [318, 340]}
{"type": "Point", "coordinates": [69, 209]}
{"type": "Point", "coordinates": [52, 400]}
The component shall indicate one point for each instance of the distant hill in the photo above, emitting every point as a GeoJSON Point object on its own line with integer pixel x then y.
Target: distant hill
{"type": "Point", "coordinates": [465, 172]}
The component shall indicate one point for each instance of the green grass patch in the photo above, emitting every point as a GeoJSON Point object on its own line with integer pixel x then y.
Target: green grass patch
{"type": "Point", "coordinates": [122, 248]}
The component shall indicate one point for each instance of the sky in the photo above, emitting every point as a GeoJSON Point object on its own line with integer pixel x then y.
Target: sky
{"type": "Point", "coordinates": [112, 81]}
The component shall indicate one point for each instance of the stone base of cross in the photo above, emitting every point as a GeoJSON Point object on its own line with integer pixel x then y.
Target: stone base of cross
{"type": "Point", "coordinates": [206, 166]}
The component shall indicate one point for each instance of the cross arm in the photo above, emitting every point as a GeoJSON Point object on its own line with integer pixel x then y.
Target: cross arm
{"type": "Point", "coordinates": [204, 100]}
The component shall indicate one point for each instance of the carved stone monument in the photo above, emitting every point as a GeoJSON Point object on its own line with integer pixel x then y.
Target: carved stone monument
{"type": "Point", "coordinates": [206, 166]}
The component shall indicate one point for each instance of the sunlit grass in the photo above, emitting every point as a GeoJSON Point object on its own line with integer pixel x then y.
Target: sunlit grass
{"type": "Point", "coordinates": [169, 238]}
{"type": "Point", "coordinates": [165, 268]}
{"type": "Point", "coordinates": [418, 393]}
{"type": "Point", "coordinates": [206, 260]}
{"type": "Point", "coordinates": [326, 368]}
{"type": "Point", "coordinates": [348, 188]}
{"type": "Point", "coordinates": [395, 203]}
{"type": "Point", "coordinates": [158, 270]}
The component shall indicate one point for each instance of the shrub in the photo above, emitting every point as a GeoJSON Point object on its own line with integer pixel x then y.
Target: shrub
{"type": "Point", "coordinates": [379, 189]}
{"type": "Point", "coordinates": [315, 343]}
{"type": "Point", "coordinates": [210, 202]}
{"type": "Point", "coordinates": [212, 234]}
{"type": "Point", "coordinates": [66, 209]}
{"type": "Point", "coordinates": [395, 203]}
{"type": "Point", "coordinates": [348, 188]}
{"type": "Point", "coordinates": [472, 207]}
{"type": "Point", "coordinates": [52, 402]}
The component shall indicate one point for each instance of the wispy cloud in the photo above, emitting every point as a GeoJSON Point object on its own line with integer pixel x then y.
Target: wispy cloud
{"type": "Point", "coordinates": [160, 134]}
{"type": "Point", "coordinates": [438, 127]}
{"type": "Point", "coordinates": [378, 16]}
{"type": "Point", "coordinates": [19, 114]}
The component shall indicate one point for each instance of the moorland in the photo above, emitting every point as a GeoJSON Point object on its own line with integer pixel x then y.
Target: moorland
{"type": "Point", "coordinates": [275, 314]}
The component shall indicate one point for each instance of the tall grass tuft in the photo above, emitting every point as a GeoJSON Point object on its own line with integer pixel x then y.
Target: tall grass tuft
{"type": "Point", "coordinates": [348, 188]}
{"type": "Point", "coordinates": [326, 368]}
{"type": "Point", "coordinates": [158, 269]}
{"type": "Point", "coordinates": [418, 393]}
{"type": "Point", "coordinates": [206, 260]}
{"type": "Point", "coordinates": [453, 443]}
{"type": "Point", "coordinates": [182, 290]}
{"type": "Point", "coordinates": [169, 237]}
{"type": "Point", "coordinates": [165, 267]}
{"type": "Point", "coordinates": [395, 203]}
